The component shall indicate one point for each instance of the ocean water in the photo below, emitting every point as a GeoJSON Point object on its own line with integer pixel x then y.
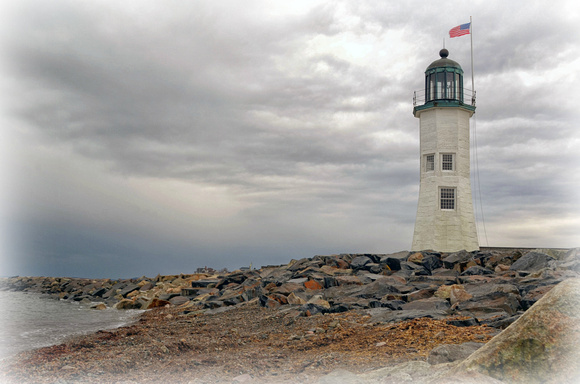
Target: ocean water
{"type": "Point", "coordinates": [29, 321]}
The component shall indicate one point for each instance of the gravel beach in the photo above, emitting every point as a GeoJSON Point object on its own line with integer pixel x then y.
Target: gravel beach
{"type": "Point", "coordinates": [247, 343]}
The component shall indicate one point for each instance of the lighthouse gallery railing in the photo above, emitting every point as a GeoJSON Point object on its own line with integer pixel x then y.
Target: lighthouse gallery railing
{"type": "Point", "coordinates": [468, 97]}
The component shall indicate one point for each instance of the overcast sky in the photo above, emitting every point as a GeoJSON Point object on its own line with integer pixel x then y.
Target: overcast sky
{"type": "Point", "coordinates": [145, 137]}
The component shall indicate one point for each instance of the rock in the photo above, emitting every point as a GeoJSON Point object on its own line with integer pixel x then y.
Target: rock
{"type": "Point", "coordinates": [267, 302]}
{"type": "Point", "coordinates": [433, 303]}
{"type": "Point", "coordinates": [447, 353]}
{"type": "Point", "coordinates": [204, 283]}
{"type": "Point", "coordinates": [420, 294]}
{"type": "Point", "coordinates": [313, 285]}
{"type": "Point", "coordinates": [157, 303]}
{"type": "Point", "coordinates": [360, 262]}
{"type": "Point", "coordinates": [542, 346]}
{"type": "Point", "coordinates": [462, 322]}
{"type": "Point", "coordinates": [416, 258]}
{"type": "Point", "coordinates": [458, 295]}
{"type": "Point", "coordinates": [493, 302]}
{"type": "Point", "coordinates": [128, 289]}
{"type": "Point", "coordinates": [376, 289]}
{"type": "Point", "coordinates": [533, 295]}
{"type": "Point", "coordinates": [147, 286]}
{"type": "Point", "coordinates": [477, 270]}
{"type": "Point", "coordinates": [533, 261]}
{"type": "Point", "coordinates": [312, 309]}
{"type": "Point", "coordinates": [431, 262]}
{"type": "Point", "coordinates": [385, 315]}
{"type": "Point", "coordinates": [394, 264]}
{"type": "Point", "coordinates": [452, 259]}
{"type": "Point", "coordinates": [294, 299]}
{"type": "Point", "coordinates": [127, 304]}
{"type": "Point", "coordinates": [319, 301]}
{"type": "Point", "coordinates": [491, 287]}
{"type": "Point", "coordinates": [99, 306]}
{"type": "Point", "coordinates": [179, 300]}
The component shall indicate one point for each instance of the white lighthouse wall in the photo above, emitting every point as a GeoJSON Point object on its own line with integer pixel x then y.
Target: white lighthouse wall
{"type": "Point", "coordinates": [445, 131]}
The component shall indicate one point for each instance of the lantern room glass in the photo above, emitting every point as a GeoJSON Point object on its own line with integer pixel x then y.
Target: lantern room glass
{"type": "Point", "coordinates": [444, 84]}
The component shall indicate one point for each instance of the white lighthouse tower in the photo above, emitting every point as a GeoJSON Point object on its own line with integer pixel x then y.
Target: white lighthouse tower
{"type": "Point", "coordinates": [445, 220]}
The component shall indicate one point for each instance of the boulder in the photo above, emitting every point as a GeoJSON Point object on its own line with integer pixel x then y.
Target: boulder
{"type": "Point", "coordinates": [493, 302]}
{"type": "Point", "coordinates": [128, 304]}
{"type": "Point", "coordinates": [386, 315]}
{"type": "Point", "coordinates": [179, 300]}
{"type": "Point", "coordinates": [128, 289]}
{"type": "Point", "coordinates": [319, 301]}
{"type": "Point", "coordinates": [294, 299]}
{"type": "Point", "coordinates": [452, 259]}
{"type": "Point", "coordinates": [533, 261]}
{"type": "Point", "coordinates": [416, 258]}
{"type": "Point", "coordinates": [431, 262]}
{"type": "Point", "coordinates": [433, 303]}
{"type": "Point", "coordinates": [156, 303]}
{"type": "Point", "coordinates": [360, 262]}
{"type": "Point", "coordinates": [393, 263]}
{"type": "Point", "coordinates": [313, 285]}
{"type": "Point", "coordinates": [542, 346]}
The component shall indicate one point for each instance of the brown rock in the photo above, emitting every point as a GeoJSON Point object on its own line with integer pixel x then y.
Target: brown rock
{"type": "Point", "coordinates": [416, 258]}
{"type": "Point", "coordinates": [293, 299]}
{"type": "Point", "coordinates": [156, 303]}
{"type": "Point", "coordinates": [279, 298]}
{"type": "Point", "coordinates": [458, 294]}
{"type": "Point", "coordinates": [127, 304]}
{"type": "Point", "coordinates": [313, 284]}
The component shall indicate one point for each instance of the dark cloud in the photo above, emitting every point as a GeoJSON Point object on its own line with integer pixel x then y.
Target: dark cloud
{"type": "Point", "coordinates": [268, 131]}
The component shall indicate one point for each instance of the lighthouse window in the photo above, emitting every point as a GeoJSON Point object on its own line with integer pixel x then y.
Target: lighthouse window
{"type": "Point", "coordinates": [447, 200]}
{"type": "Point", "coordinates": [429, 163]}
{"type": "Point", "coordinates": [449, 88]}
{"type": "Point", "coordinates": [447, 162]}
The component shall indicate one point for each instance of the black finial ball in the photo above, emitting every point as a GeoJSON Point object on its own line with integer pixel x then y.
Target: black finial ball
{"type": "Point", "coordinates": [443, 53]}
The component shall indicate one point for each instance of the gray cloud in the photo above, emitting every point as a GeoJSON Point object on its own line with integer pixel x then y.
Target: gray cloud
{"type": "Point", "coordinates": [222, 133]}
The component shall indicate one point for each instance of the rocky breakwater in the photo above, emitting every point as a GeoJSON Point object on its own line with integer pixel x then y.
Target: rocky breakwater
{"type": "Point", "coordinates": [140, 293]}
{"type": "Point", "coordinates": [490, 287]}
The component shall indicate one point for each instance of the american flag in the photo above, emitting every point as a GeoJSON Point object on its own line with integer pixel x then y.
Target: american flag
{"type": "Point", "coordinates": [460, 30]}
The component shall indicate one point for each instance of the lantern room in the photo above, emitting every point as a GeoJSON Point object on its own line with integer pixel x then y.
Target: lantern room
{"type": "Point", "coordinates": [444, 79]}
{"type": "Point", "coordinates": [444, 86]}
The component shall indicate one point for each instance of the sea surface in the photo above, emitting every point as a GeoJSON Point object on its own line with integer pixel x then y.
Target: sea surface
{"type": "Point", "coordinates": [29, 321]}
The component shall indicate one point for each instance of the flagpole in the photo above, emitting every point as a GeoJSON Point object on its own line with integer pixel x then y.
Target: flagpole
{"type": "Point", "coordinates": [472, 81]}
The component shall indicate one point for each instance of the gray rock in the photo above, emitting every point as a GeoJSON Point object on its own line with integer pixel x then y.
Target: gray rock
{"type": "Point", "coordinates": [430, 304]}
{"type": "Point", "coordinates": [477, 270]}
{"type": "Point", "coordinates": [128, 289]}
{"type": "Point", "coordinates": [385, 315]}
{"type": "Point", "coordinates": [493, 302]}
{"type": "Point", "coordinates": [456, 257]}
{"type": "Point", "coordinates": [393, 263]}
{"type": "Point", "coordinates": [431, 262]}
{"type": "Point", "coordinates": [360, 262]}
{"type": "Point", "coordinates": [542, 346]}
{"type": "Point", "coordinates": [204, 283]}
{"type": "Point", "coordinates": [533, 261]}
{"type": "Point", "coordinates": [447, 353]}
{"type": "Point", "coordinates": [178, 300]}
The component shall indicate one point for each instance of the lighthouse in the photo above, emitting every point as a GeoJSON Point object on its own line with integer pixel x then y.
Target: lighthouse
{"type": "Point", "coordinates": [445, 220]}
